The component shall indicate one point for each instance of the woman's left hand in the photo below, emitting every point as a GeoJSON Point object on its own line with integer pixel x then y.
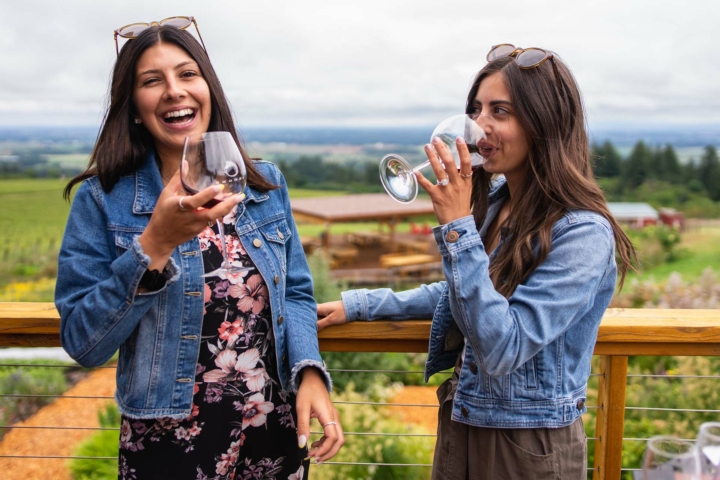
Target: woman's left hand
{"type": "Point", "coordinates": [313, 401]}
{"type": "Point", "coordinates": [451, 201]}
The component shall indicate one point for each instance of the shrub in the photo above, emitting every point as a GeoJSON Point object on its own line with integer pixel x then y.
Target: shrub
{"type": "Point", "coordinates": [104, 443]}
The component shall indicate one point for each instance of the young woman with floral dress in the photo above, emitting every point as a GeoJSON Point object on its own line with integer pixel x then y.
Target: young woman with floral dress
{"type": "Point", "coordinates": [217, 377]}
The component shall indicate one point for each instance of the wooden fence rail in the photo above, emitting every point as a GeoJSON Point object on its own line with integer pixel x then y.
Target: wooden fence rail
{"type": "Point", "coordinates": [623, 333]}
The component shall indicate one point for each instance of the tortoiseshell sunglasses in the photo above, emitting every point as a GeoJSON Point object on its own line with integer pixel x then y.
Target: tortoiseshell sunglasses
{"type": "Point", "coordinates": [526, 58]}
{"type": "Point", "coordinates": [133, 30]}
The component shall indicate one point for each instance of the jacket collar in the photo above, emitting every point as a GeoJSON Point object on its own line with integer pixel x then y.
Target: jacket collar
{"type": "Point", "coordinates": [148, 186]}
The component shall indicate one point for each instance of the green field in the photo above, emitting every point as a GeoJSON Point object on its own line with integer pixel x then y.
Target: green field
{"type": "Point", "coordinates": [34, 213]}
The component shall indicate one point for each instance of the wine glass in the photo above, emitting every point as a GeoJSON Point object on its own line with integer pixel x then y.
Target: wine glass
{"type": "Point", "coordinates": [669, 458]}
{"type": "Point", "coordinates": [208, 159]}
{"type": "Point", "coordinates": [481, 136]}
{"type": "Point", "coordinates": [708, 449]}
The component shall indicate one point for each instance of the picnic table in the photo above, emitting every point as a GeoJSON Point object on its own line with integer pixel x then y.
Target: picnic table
{"type": "Point", "coordinates": [394, 260]}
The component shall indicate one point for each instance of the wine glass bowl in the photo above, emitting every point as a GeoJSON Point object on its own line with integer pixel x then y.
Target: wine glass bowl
{"type": "Point", "coordinates": [213, 158]}
{"type": "Point", "coordinates": [480, 135]}
{"type": "Point", "coordinates": [708, 447]}
{"type": "Point", "coordinates": [669, 457]}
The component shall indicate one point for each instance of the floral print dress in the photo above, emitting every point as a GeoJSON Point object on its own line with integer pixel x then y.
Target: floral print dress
{"type": "Point", "coordinates": [242, 424]}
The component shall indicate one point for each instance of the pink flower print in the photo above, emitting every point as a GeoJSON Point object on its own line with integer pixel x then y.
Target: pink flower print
{"type": "Point", "coordinates": [222, 466]}
{"type": "Point", "coordinates": [252, 295]}
{"type": "Point", "coordinates": [206, 237]}
{"type": "Point", "coordinates": [125, 431]}
{"type": "Point", "coordinates": [247, 360]}
{"type": "Point", "coordinates": [226, 361]}
{"type": "Point", "coordinates": [255, 379]}
{"type": "Point", "coordinates": [298, 475]}
{"type": "Point", "coordinates": [229, 219]}
{"type": "Point", "coordinates": [208, 295]}
{"type": "Point", "coordinates": [231, 331]}
{"type": "Point", "coordinates": [234, 247]}
{"type": "Point", "coordinates": [194, 411]}
{"type": "Point", "coordinates": [233, 278]}
{"type": "Point", "coordinates": [256, 410]}
{"type": "Point", "coordinates": [234, 451]}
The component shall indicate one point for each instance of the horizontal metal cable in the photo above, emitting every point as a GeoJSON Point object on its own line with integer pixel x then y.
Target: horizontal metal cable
{"type": "Point", "coordinates": [672, 409]}
{"type": "Point", "coordinates": [375, 434]}
{"type": "Point", "coordinates": [69, 457]}
{"type": "Point", "coordinates": [383, 371]}
{"type": "Point", "coordinates": [380, 464]}
{"type": "Point", "coordinates": [384, 404]}
{"type": "Point", "coordinates": [67, 365]}
{"type": "Point", "coordinates": [17, 395]}
{"type": "Point", "coordinates": [637, 375]}
{"type": "Point", "coordinates": [631, 439]}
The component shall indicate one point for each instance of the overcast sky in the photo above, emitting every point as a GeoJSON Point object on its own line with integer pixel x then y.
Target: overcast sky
{"type": "Point", "coordinates": [374, 62]}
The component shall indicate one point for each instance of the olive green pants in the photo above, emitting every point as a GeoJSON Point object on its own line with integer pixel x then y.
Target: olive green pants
{"type": "Point", "coordinates": [464, 452]}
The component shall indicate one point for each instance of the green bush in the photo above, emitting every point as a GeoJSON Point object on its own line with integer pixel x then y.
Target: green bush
{"type": "Point", "coordinates": [104, 443]}
{"type": "Point", "coordinates": [375, 449]}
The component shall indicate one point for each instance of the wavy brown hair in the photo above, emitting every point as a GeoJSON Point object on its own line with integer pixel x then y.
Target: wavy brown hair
{"type": "Point", "coordinates": [122, 146]}
{"type": "Point", "coordinates": [559, 176]}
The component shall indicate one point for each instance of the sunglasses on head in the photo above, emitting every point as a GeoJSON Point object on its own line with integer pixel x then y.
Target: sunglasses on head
{"type": "Point", "coordinates": [134, 29]}
{"type": "Point", "coordinates": [526, 58]}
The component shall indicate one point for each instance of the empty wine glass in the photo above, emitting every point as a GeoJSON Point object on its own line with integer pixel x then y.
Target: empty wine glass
{"type": "Point", "coordinates": [482, 139]}
{"type": "Point", "coordinates": [213, 158]}
{"type": "Point", "coordinates": [708, 448]}
{"type": "Point", "coordinates": [669, 458]}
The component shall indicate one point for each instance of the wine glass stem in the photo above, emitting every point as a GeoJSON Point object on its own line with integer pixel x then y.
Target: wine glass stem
{"type": "Point", "coordinates": [421, 166]}
{"type": "Point", "coordinates": [221, 232]}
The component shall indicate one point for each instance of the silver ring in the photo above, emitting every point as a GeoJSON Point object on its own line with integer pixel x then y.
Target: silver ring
{"type": "Point", "coordinates": [443, 182]}
{"type": "Point", "coordinates": [180, 204]}
{"type": "Point", "coordinates": [466, 175]}
{"type": "Point", "coordinates": [329, 423]}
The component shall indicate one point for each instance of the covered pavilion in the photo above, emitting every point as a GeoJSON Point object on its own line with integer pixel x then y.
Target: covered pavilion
{"type": "Point", "coordinates": [378, 207]}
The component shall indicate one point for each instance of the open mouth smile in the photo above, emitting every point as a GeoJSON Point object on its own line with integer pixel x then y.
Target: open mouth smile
{"type": "Point", "coordinates": [181, 117]}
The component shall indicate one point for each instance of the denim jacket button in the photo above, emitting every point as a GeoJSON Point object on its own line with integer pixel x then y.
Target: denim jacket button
{"type": "Point", "coordinates": [280, 234]}
{"type": "Point", "coordinates": [473, 367]}
{"type": "Point", "coordinates": [581, 404]}
{"type": "Point", "coordinates": [276, 279]}
{"type": "Point", "coordinates": [452, 236]}
{"type": "Point", "coordinates": [464, 411]}
{"type": "Point", "coordinates": [281, 319]}
{"type": "Point", "coordinates": [257, 242]}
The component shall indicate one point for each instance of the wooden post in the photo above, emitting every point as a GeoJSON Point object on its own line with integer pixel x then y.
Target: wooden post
{"type": "Point", "coordinates": [610, 417]}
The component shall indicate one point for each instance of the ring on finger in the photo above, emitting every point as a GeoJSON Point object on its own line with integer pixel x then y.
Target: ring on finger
{"type": "Point", "coordinates": [466, 175]}
{"type": "Point", "coordinates": [180, 204]}
{"type": "Point", "coordinates": [444, 182]}
{"type": "Point", "coordinates": [329, 423]}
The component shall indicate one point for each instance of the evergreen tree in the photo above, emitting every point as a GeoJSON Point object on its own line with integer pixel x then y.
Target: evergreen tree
{"type": "Point", "coordinates": [637, 166]}
{"type": "Point", "coordinates": [665, 165]}
{"type": "Point", "coordinates": [709, 172]}
{"type": "Point", "coordinates": [607, 161]}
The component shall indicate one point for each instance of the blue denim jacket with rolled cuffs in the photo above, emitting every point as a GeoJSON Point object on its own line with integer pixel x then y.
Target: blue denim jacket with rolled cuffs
{"type": "Point", "coordinates": [159, 333]}
{"type": "Point", "coordinates": [526, 358]}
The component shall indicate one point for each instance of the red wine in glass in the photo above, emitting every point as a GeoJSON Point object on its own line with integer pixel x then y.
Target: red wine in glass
{"type": "Point", "coordinates": [213, 158]}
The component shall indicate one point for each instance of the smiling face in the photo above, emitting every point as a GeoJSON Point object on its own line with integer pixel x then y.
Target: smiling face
{"type": "Point", "coordinates": [510, 159]}
{"type": "Point", "coordinates": [171, 97]}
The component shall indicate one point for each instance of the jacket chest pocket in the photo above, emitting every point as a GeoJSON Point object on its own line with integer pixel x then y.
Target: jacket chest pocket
{"type": "Point", "coordinates": [124, 241]}
{"type": "Point", "coordinates": [277, 234]}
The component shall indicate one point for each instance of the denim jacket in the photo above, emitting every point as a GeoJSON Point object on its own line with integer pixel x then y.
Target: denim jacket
{"type": "Point", "coordinates": [526, 358]}
{"type": "Point", "coordinates": [159, 333]}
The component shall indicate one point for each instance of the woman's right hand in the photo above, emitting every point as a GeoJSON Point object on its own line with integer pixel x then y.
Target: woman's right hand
{"type": "Point", "coordinates": [171, 226]}
{"type": "Point", "coordinates": [330, 313]}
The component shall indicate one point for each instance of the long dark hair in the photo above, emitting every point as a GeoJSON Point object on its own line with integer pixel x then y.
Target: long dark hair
{"type": "Point", "coordinates": [559, 177]}
{"type": "Point", "coordinates": [122, 145]}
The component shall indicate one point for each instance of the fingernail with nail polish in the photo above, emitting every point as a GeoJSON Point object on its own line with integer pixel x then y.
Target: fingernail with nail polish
{"type": "Point", "coordinates": [436, 140]}
{"type": "Point", "coordinates": [460, 140]}
{"type": "Point", "coordinates": [302, 440]}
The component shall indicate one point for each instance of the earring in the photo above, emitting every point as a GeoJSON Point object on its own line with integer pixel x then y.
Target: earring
{"type": "Point", "coordinates": [137, 121]}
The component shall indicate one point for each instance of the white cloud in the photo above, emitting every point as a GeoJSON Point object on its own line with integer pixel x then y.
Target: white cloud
{"type": "Point", "coordinates": [371, 62]}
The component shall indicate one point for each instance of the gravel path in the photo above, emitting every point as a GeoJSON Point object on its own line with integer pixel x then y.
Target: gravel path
{"type": "Point", "coordinates": [67, 412]}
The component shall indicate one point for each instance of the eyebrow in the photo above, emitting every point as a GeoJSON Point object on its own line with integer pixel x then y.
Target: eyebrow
{"type": "Point", "coordinates": [494, 102]}
{"type": "Point", "coordinates": [179, 65]}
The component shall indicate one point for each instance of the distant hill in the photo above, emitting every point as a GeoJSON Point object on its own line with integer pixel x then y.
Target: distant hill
{"type": "Point", "coordinates": [684, 136]}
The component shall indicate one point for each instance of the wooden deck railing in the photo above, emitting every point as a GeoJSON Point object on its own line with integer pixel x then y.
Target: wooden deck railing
{"type": "Point", "coordinates": [623, 333]}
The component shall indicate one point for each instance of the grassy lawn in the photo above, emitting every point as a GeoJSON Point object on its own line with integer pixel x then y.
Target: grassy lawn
{"type": "Point", "coordinates": [700, 250]}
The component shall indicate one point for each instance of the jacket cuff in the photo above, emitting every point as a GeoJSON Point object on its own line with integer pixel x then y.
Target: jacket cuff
{"type": "Point", "coordinates": [144, 260]}
{"type": "Point", "coordinates": [295, 384]}
{"type": "Point", "coordinates": [457, 235]}
{"type": "Point", "coordinates": [355, 304]}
